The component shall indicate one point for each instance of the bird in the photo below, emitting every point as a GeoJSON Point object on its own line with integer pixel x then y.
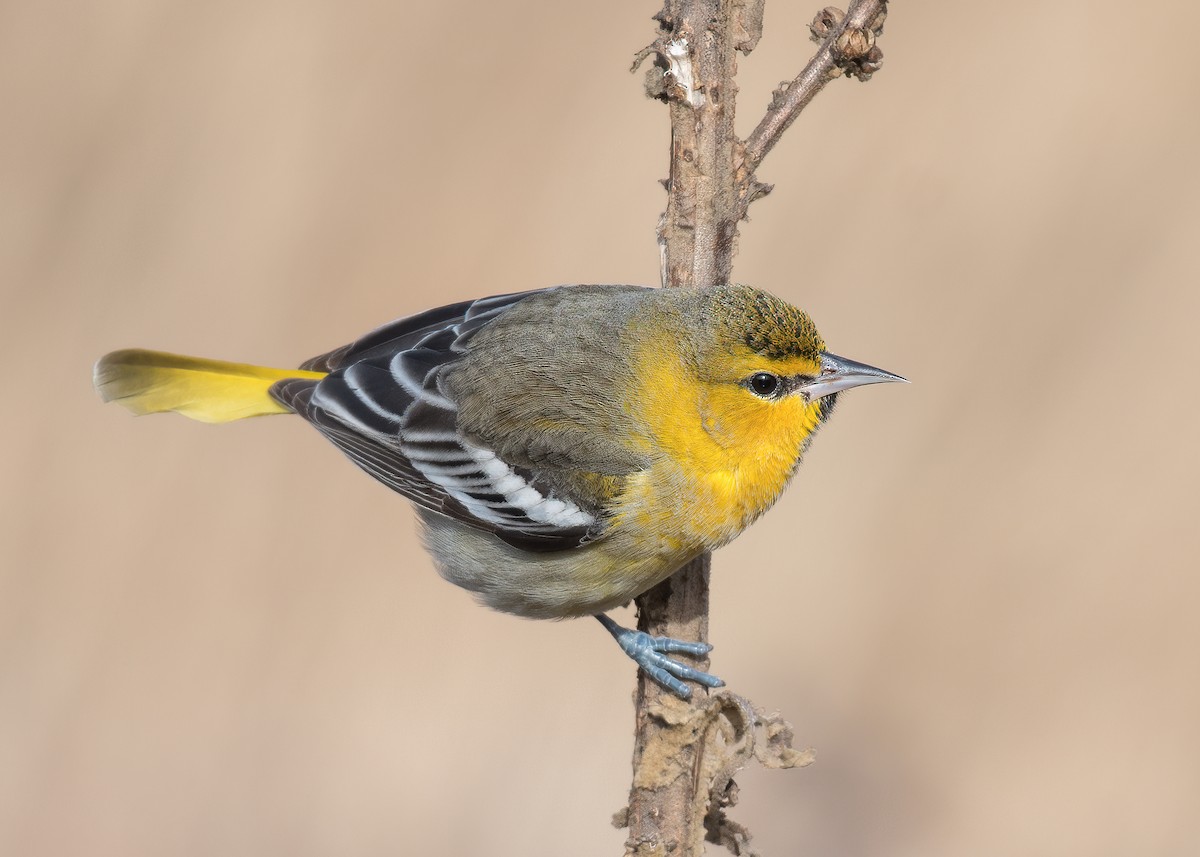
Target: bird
{"type": "Point", "coordinates": [565, 449]}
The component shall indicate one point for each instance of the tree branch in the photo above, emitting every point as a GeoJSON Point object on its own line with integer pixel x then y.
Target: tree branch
{"type": "Point", "coordinates": [686, 752]}
{"type": "Point", "coordinates": [847, 47]}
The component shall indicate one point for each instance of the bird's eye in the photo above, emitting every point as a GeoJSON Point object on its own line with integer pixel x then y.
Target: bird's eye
{"type": "Point", "coordinates": [764, 384]}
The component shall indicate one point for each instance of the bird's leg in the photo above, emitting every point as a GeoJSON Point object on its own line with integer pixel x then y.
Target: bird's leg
{"type": "Point", "coordinates": [650, 653]}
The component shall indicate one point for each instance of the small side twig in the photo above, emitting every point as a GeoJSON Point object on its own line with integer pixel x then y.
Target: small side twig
{"type": "Point", "coordinates": [847, 47]}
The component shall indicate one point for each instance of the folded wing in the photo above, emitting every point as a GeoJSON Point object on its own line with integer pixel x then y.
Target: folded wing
{"type": "Point", "coordinates": [383, 406]}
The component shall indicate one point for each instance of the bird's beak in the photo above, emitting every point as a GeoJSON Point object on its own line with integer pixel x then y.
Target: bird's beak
{"type": "Point", "coordinates": [838, 373]}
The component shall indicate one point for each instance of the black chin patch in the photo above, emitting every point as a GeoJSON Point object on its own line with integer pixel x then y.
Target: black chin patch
{"type": "Point", "coordinates": [826, 405]}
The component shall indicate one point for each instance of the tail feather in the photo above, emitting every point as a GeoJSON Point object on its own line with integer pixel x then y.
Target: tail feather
{"type": "Point", "coordinates": [212, 391]}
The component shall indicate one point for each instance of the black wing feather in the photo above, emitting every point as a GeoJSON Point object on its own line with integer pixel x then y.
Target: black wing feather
{"type": "Point", "coordinates": [382, 406]}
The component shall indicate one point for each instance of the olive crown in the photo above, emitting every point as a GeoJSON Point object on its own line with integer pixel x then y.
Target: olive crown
{"type": "Point", "coordinates": [768, 325]}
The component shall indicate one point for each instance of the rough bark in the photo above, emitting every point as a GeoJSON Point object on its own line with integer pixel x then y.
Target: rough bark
{"type": "Point", "coordinates": [686, 752]}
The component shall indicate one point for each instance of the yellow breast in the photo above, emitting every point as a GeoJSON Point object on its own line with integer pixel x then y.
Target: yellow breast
{"type": "Point", "coordinates": [721, 455]}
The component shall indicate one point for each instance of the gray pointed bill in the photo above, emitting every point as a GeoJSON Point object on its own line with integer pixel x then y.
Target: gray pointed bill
{"type": "Point", "coordinates": [839, 373]}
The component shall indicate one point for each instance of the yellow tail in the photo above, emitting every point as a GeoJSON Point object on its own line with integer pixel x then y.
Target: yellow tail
{"type": "Point", "coordinates": [213, 391]}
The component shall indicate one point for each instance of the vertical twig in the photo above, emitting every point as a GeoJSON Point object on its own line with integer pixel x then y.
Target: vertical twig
{"type": "Point", "coordinates": [686, 753]}
{"type": "Point", "coordinates": [697, 235]}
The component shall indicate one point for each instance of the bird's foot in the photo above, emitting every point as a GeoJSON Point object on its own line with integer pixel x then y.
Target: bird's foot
{"type": "Point", "coordinates": [650, 653]}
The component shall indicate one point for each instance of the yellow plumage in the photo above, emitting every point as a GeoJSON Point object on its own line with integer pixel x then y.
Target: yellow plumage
{"type": "Point", "coordinates": [212, 391]}
{"type": "Point", "coordinates": [566, 449]}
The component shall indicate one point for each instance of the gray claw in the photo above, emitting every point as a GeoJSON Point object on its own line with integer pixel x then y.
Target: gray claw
{"type": "Point", "coordinates": [650, 653]}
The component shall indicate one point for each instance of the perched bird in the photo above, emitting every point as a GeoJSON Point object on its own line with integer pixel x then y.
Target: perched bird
{"type": "Point", "coordinates": [566, 449]}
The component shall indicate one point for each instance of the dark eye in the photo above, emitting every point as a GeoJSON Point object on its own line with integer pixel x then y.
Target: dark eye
{"type": "Point", "coordinates": [764, 384]}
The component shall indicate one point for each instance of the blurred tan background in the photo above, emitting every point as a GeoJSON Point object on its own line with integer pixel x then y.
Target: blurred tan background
{"type": "Point", "coordinates": [979, 602]}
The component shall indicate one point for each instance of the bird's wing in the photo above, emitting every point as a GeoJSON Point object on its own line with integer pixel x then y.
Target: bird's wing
{"type": "Point", "coordinates": [383, 406]}
{"type": "Point", "coordinates": [459, 321]}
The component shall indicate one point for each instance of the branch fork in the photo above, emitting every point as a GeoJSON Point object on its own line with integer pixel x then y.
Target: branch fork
{"type": "Point", "coordinates": [847, 47]}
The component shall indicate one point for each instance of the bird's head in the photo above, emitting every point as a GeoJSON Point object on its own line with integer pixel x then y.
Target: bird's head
{"type": "Point", "coordinates": [731, 383]}
{"type": "Point", "coordinates": [765, 379]}
{"type": "Point", "coordinates": [774, 352]}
